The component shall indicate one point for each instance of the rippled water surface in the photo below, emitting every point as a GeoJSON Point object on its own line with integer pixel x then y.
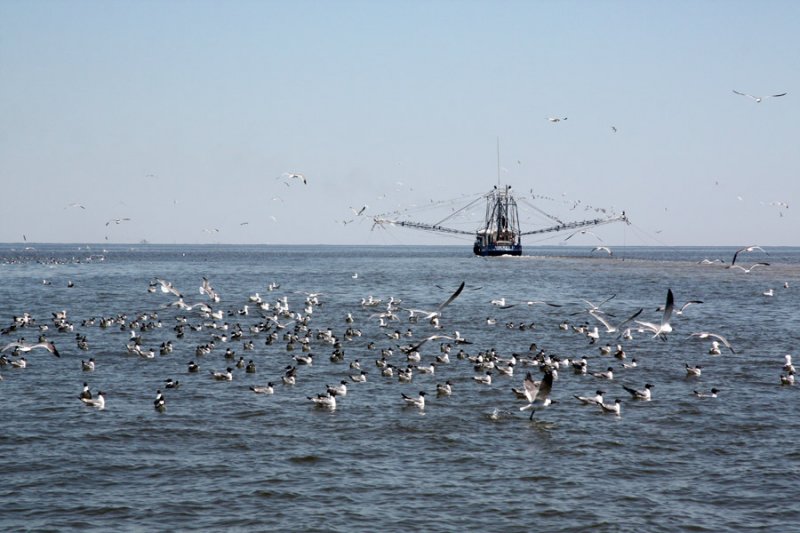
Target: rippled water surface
{"type": "Point", "coordinates": [222, 457]}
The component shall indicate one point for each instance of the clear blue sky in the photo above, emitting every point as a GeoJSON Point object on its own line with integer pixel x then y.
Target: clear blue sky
{"type": "Point", "coordinates": [181, 115]}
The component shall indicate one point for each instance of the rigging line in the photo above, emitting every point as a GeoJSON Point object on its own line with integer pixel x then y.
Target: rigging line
{"type": "Point", "coordinates": [574, 225]}
{"type": "Point", "coordinates": [548, 215]}
{"type": "Point", "coordinates": [454, 213]}
{"type": "Point", "coordinates": [543, 239]}
{"type": "Point", "coordinates": [430, 206]}
{"type": "Point", "coordinates": [624, 241]}
{"type": "Point", "coordinates": [648, 235]}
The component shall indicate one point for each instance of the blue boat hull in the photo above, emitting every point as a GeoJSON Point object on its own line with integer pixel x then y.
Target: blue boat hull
{"type": "Point", "coordinates": [494, 250]}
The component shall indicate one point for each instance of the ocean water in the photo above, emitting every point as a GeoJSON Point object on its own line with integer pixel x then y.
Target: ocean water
{"type": "Point", "coordinates": [221, 457]}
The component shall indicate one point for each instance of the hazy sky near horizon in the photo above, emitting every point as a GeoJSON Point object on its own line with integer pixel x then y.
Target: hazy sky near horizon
{"type": "Point", "coordinates": [184, 117]}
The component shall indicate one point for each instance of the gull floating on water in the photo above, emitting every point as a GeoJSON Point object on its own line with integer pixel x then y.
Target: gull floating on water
{"type": "Point", "coordinates": [640, 394]}
{"type": "Point", "coordinates": [608, 374]}
{"type": "Point", "coordinates": [591, 400]}
{"type": "Point", "coordinates": [444, 389]}
{"type": "Point", "coordinates": [713, 394]}
{"type": "Point", "coordinates": [159, 403]}
{"type": "Point", "coordinates": [418, 402]}
{"type": "Point", "coordinates": [223, 376]}
{"type": "Point", "coordinates": [267, 389]}
{"type": "Point", "coordinates": [99, 402]}
{"type": "Point", "coordinates": [86, 394]}
{"type": "Point", "coordinates": [693, 371]}
{"type": "Point", "coordinates": [339, 390]}
{"type": "Point", "coordinates": [614, 408]}
{"type": "Point", "coordinates": [325, 401]}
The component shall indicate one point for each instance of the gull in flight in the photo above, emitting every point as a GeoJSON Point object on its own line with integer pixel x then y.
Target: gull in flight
{"type": "Point", "coordinates": [293, 175]}
{"type": "Point", "coordinates": [664, 327]}
{"type": "Point", "coordinates": [605, 249]}
{"type": "Point", "coordinates": [27, 347]}
{"type": "Point", "coordinates": [534, 389]}
{"type": "Point", "coordinates": [556, 119]}
{"type": "Point", "coordinates": [167, 287]}
{"type": "Point", "coordinates": [582, 232]}
{"type": "Point", "coordinates": [747, 270]}
{"type": "Point", "coordinates": [684, 306]}
{"type": "Point", "coordinates": [207, 289]}
{"type": "Point", "coordinates": [746, 249]}
{"type": "Point", "coordinates": [610, 328]}
{"type": "Point", "coordinates": [117, 220]}
{"type": "Point", "coordinates": [758, 98]}
{"type": "Point", "coordinates": [707, 334]}
{"type": "Point", "coordinates": [428, 315]}
{"type": "Point", "coordinates": [593, 307]}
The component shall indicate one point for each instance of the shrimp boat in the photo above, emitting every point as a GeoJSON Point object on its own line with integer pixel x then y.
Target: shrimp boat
{"type": "Point", "coordinates": [500, 233]}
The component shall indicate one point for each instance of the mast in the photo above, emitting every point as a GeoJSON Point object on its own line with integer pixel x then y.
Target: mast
{"type": "Point", "coordinates": [498, 160]}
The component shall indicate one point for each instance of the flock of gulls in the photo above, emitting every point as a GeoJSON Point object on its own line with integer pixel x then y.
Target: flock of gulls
{"type": "Point", "coordinates": [224, 343]}
{"type": "Point", "coordinates": [756, 99]}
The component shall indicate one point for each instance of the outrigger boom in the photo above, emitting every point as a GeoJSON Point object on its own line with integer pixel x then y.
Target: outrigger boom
{"type": "Point", "coordinates": [500, 233]}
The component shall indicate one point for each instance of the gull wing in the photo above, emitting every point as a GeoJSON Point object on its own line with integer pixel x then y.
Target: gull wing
{"type": "Point", "coordinates": [531, 388]}
{"type": "Point", "coordinates": [609, 327]}
{"type": "Point", "coordinates": [668, 308]}
{"type": "Point", "coordinates": [690, 302]}
{"type": "Point", "coordinates": [452, 297]}
{"type": "Point", "coordinates": [745, 94]}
